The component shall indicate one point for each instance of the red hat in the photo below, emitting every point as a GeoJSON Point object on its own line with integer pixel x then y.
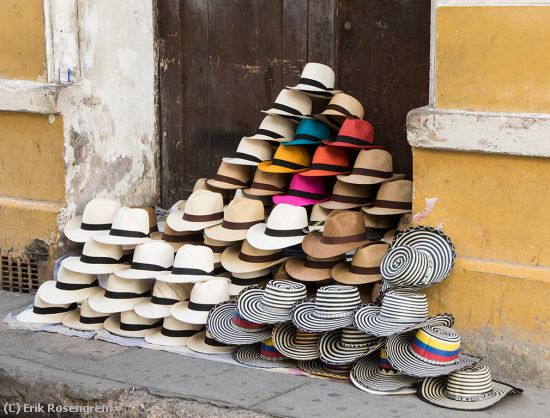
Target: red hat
{"type": "Point", "coordinates": [328, 161]}
{"type": "Point", "coordinates": [354, 133]}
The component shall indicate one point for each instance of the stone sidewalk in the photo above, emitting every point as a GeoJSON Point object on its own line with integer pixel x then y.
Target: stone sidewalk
{"type": "Point", "coordinates": [51, 368]}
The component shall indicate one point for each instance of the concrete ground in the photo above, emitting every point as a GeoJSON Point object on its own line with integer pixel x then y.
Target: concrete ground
{"type": "Point", "coordinates": [132, 382]}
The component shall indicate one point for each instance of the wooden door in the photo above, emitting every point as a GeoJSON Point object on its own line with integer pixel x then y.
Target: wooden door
{"type": "Point", "coordinates": [222, 61]}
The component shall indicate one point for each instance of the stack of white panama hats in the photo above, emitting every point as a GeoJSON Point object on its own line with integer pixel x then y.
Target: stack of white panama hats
{"type": "Point", "coordinates": [298, 253]}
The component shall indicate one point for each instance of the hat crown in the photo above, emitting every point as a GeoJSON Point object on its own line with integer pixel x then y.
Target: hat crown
{"type": "Point", "coordinates": [283, 127]}
{"type": "Point", "coordinates": [344, 223]}
{"type": "Point", "coordinates": [93, 248]}
{"type": "Point", "coordinates": [406, 266]}
{"type": "Point", "coordinates": [375, 159]}
{"type": "Point", "coordinates": [118, 284]}
{"type": "Point", "coordinates": [249, 250]}
{"type": "Point", "coordinates": [370, 255]}
{"type": "Point", "coordinates": [195, 257]}
{"type": "Point", "coordinates": [100, 211]}
{"type": "Point", "coordinates": [319, 72]}
{"type": "Point", "coordinates": [396, 191]}
{"type": "Point", "coordinates": [68, 276]}
{"type": "Point", "coordinates": [204, 202]}
{"type": "Point", "coordinates": [154, 252]}
{"type": "Point", "coordinates": [244, 210]}
{"type": "Point", "coordinates": [436, 345]}
{"type": "Point", "coordinates": [40, 303]}
{"type": "Point", "coordinates": [132, 318]}
{"type": "Point", "coordinates": [280, 181]}
{"type": "Point", "coordinates": [308, 184]}
{"type": "Point", "coordinates": [243, 173]}
{"type": "Point", "coordinates": [87, 312]}
{"type": "Point", "coordinates": [131, 219]}
{"type": "Point", "coordinates": [287, 217]}
{"type": "Point", "coordinates": [174, 324]}
{"type": "Point", "coordinates": [358, 129]}
{"type": "Point", "coordinates": [256, 148]}
{"type": "Point", "coordinates": [352, 190]}
{"type": "Point", "coordinates": [350, 103]}
{"type": "Point", "coordinates": [295, 154]}
{"type": "Point", "coordinates": [312, 129]}
{"type": "Point", "coordinates": [405, 307]}
{"type": "Point", "coordinates": [331, 156]}
{"type": "Point", "coordinates": [295, 100]}
{"type": "Point", "coordinates": [354, 337]}
{"type": "Point", "coordinates": [175, 291]}
{"type": "Point", "coordinates": [336, 300]}
{"type": "Point", "coordinates": [210, 292]}
{"type": "Point", "coordinates": [318, 213]}
{"type": "Point", "coordinates": [472, 383]}
{"type": "Point", "coordinates": [282, 294]}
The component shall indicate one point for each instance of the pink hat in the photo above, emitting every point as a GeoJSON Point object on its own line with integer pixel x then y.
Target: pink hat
{"type": "Point", "coordinates": [304, 191]}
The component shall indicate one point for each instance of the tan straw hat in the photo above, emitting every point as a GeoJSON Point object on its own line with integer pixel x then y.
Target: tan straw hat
{"type": "Point", "coordinates": [293, 105]}
{"type": "Point", "coordinates": [217, 247]}
{"type": "Point", "coordinates": [276, 129]}
{"type": "Point", "coordinates": [405, 221]}
{"type": "Point", "coordinates": [251, 152]}
{"type": "Point", "coordinates": [268, 184]}
{"type": "Point", "coordinates": [365, 265]}
{"type": "Point", "coordinates": [312, 269]}
{"type": "Point", "coordinates": [340, 107]}
{"type": "Point", "coordinates": [178, 239]}
{"type": "Point", "coordinates": [317, 217]}
{"type": "Point", "coordinates": [203, 209]}
{"type": "Point", "coordinates": [393, 198]}
{"type": "Point", "coordinates": [244, 258]}
{"type": "Point", "coordinates": [348, 196]}
{"type": "Point", "coordinates": [372, 167]}
{"type": "Point", "coordinates": [231, 176]}
{"type": "Point", "coordinates": [239, 216]}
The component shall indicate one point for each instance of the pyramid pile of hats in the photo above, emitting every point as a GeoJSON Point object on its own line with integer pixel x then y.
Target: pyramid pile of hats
{"type": "Point", "coordinates": [311, 264]}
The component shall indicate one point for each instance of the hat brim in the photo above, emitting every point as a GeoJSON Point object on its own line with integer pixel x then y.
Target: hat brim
{"type": "Point", "coordinates": [360, 179]}
{"type": "Point", "coordinates": [269, 167]}
{"type": "Point", "coordinates": [296, 269]}
{"type": "Point", "coordinates": [313, 246]}
{"type": "Point", "coordinates": [284, 340]}
{"type": "Point", "coordinates": [331, 350]}
{"type": "Point", "coordinates": [75, 233]}
{"type": "Point", "coordinates": [250, 308]}
{"type": "Point", "coordinates": [296, 201]}
{"type": "Point", "coordinates": [323, 173]}
{"type": "Point", "coordinates": [367, 376]}
{"type": "Point", "coordinates": [385, 211]}
{"type": "Point", "coordinates": [249, 355]}
{"type": "Point", "coordinates": [29, 316]}
{"type": "Point", "coordinates": [176, 222]}
{"type": "Point", "coordinates": [341, 273]}
{"type": "Point", "coordinates": [239, 161]}
{"type": "Point", "coordinates": [51, 294]}
{"type": "Point", "coordinates": [268, 138]}
{"type": "Point", "coordinates": [303, 317]}
{"type": "Point", "coordinates": [168, 277]}
{"type": "Point", "coordinates": [258, 239]}
{"type": "Point", "coordinates": [342, 144]}
{"type": "Point", "coordinates": [404, 391]}
{"type": "Point", "coordinates": [219, 233]}
{"type": "Point", "coordinates": [401, 358]}
{"type": "Point", "coordinates": [217, 184]}
{"type": "Point", "coordinates": [103, 237]}
{"type": "Point", "coordinates": [112, 324]}
{"type": "Point", "coordinates": [260, 193]}
{"type": "Point", "coordinates": [74, 264]}
{"type": "Point", "coordinates": [182, 313]}
{"type": "Point", "coordinates": [132, 274]}
{"type": "Point", "coordinates": [301, 142]}
{"type": "Point", "coordinates": [231, 262]}
{"type": "Point", "coordinates": [156, 337]}
{"type": "Point", "coordinates": [313, 91]}
{"type": "Point", "coordinates": [331, 205]}
{"type": "Point", "coordinates": [152, 310]}
{"type": "Point", "coordinates": [433, 391]}
{"type": "Point", "coordinates": [99, 303]}
{"type": "Point", "coordinates": [196, 343]}
{"type": "Point", "coordinates": [73, 321]}
{"type": "Point", "coordinates": [317, 368]}
{"type": "Point", "coordinates": [221, 326]}
{"type": "Point", "coordinates": [287, 115]}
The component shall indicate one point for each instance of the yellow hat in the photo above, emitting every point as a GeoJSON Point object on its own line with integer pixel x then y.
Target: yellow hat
{"type": "Point", "coordinates": [287, 160]}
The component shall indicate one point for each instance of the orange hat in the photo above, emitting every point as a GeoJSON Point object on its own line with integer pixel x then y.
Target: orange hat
{"type": "Point", "coordinates": [287, 160]}
{"type": "Point", "coordinates": [329, 161]}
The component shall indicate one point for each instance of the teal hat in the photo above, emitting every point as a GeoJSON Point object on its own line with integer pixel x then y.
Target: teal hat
{"type": "Point", "coordinates": [309, 132]}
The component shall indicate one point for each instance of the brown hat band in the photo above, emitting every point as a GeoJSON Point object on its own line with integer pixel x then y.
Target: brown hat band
{"type": "Point", "coordinates": [329, 167]}
{"type": "Point", "coordinates": [389, 204]}
{"type": "Point", "coordinates": [288, 164]}
{"type": "Point", "coordinates": [372, 173]}
{"type": "Point", "coordinates": [344, 240]}
{"type": "Point", "coordinates": [260, 258]}
{"type": "Point", "coordinates": [182, 238]}
{"type": "Point", "coordinates": [348, 199]}
{"type": "Point", "coordinates": [216, 248]}
{"type": "Point", "coordinates": [320, 264]}
{"type": "Point", "coordinates": [364, 270]}
{"type": "Point", "coordinates": [230, 180]}
{"type": "Point", "coordinates": [265, 186]}
{"type": "Point", "coordinates": [239, 225]}
{"type": "Point", "coordinates": [202, 218]}
{"type": "Point", "coordinates": [352, 140]}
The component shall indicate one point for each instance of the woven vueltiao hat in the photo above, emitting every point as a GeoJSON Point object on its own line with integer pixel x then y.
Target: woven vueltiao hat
{"type": "Point", "coordinates": [427, 352]}
{"type": "Point", "coordinates": [292, 105]}
{"type": "Point", "coordinates": [148, 259]}
{"type": "Point", "coordinates": [287, 160]}
{"type": "Point", "coordinates": [250, 152]}
{"type": "Point", "coordinates": [341, 107]}
{"type": "Point", "coordinates": [348, 196]}
{"type": "Point", "coordinates": [393, 198]}
{"type": "Point", "coordinates": [365, 265]}
{"type": "Point", "coordinates": [346, 345]}
{"type": "Point", "coordinates": [303, 191]}
{"type": "Point", "coordinates": [202, 342]}
{"type": "Point", "coordinates": [85, 318]}
{"type": "Point", "coordinates": [204, 296]}
{"type": "Point", "coordinates": [68, 287]}
{"type": "Point", "coordinates": [244, 258]}
{"type": "Point", "coordinates": [130, 324]}
{"type": "Point", "coordinates": [272, 304]}
{"type": "Point", "coordinates": [400, 312]}
{"type": "Point", "coordinates": [239, 216]}
{"type": "Point", "coordinates": [274, 128]}
{"type": "Point", "coordinates": [46, 313]}
{"type": "Point", "coordinates": [193, 263]}
{"type": "Point", "coordinates": [130, 227]}
{"type": "Point", "coordinates": [309, 132]}
{"type": "Point", "coordinates": [344, 231]}
{"type": "Point", "coordinates": [468, 389]}
{"type": "Point", "coordinates": [229, 327]}
{"type": "Point", "coordinates": [173, 333]}
{"type": "Point", "coordinates": [285, 227]}
{"type": "Point", "coordinates": [312, 269]}
{"type": "Point", "coordinates": [372, 167]}
{"type": "Point", "coordinates": [317, 80]}
{"type": "Point", "coordinates": [295, 344]}
{"type": "Point", "coordinates": [334, 307]}
{"type": "Point", "coordinates": [267, 184]}
{"type": "Point", "coordinates": [203, 209]}
{"type": "Point", "coordinates": [329, 162]}
{"type": "Point", "coordinates": [374, 374]}
{"type": "Point", "coordinates": [120, 295]}
{"type": "Point", "coordinates": [317, 218]}
{"type": "Point", "coordinates": [178, 239]}
{"type": "Point", "coordinates": [320, 369]}
{"type": "Point", "coordinates": [231, 176]}
{"type": "Point", "coordinates": [97, 217]}
{"type": "Point", "coordinates": [96, 258]}
{"type": "Point", "coordinates": [263, 355]}
{"type": "Point", "coordinates": [354, 133]}
{"type": "Point", "coordinates": [239, 281]}
{"type": "Point", "coordinates": [164, 296]}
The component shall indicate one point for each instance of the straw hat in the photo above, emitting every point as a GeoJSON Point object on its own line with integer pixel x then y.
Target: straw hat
{"type": "Point", "coordinates": [287, 160]}
{"type": "Point", "coordinates": [263, 355]}
{"type": "Point", "coordinates": [69, 287]}
{"type": "Point", "coordinates": [96, 258]}
{"type": "Point", "coordinates": [295, 344]}
{"type": "Point", "coordinates": [281, 273]}
{"type": "Point", "coordinates": [217, 247]}
{"type": "Point", "coordinates": [231, 176]}
{"type": "Point", "coordinates": [164, 296]}
{"type": "Point", "coordinates": [346, 345]}
{"type": "Point", "coordinates": [303, 191]}
{"type": "Point", "coordinates": [329, 161]}
{"type": "Point", "coordinates": [244, 258]}
{"type": "Point", "coordinates": [240, 281]}
{"type": "Point", "coordinates": [468, 389]}
{"type": "Point", "coordinates": [202, 342]}
{"type": "Point", "coordinates": [130, 227]}
{"type": "Point", "coordinates": [250, 152]}
{"type": "Point", "coordinates": [365, 265]}
{"type": "Point", "coordinates": [85, 318]}
{"type": "Point", "coordinates": [341, 107]}
{"type": "Point", "coordinates": [178, 239]}
{"type": "Point", "coordinates": [312, 269]}
{"type": "Point", "coordinates": [148, 259]}
{"type": "Point", "coordinates": [97, 217]}
{"type": "Point", "coordinates": [173, 333]}
{"type": "Point", "coordinates": [239, 216]}
{"type": "Point", "coordinates": [292, 105]}
{"type": "Point", "coordinates": [203, 209]}
{"type": "Point", "coordinates": [204, 296]}
{"type": "Point", "coordinates": [372, 167]}
{"type": "Point", "coordinates": [317, 218]}
{"type": "Point", "coordinates": [405, 222]}
{"type": "Point", "coordinates": [428, 352]}
{"type": "Point", "coordinates": [130, 324]}
{"type": "Point", "coordinates": [343, 231]}
{"type": "Point", "coordinates": [46, 313]}
{"type": "Point", "coordinates": [348, 196]}
{"type": "Point", "coordinates": [317, 80]}
{"type": "Point", "coordinates": [152, 214]}
{"type": "Point", "coordinates": [267, 184]}
{"type": "Point", "coordinates": [120, 295]}
{"type": "Point", "coordinates": [309, 132]}
{"type": "Point", "coordinates": [193, 263]}
{"type": "Point", "coordinates": [393, 198]}
{"type": "Point", "coordinates": [320, 369]}
{"type": "Point", "coordinates": [276, 129]}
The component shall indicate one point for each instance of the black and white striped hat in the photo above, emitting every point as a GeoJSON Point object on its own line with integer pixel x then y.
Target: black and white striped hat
{"type": "Point", "coordinates": [272, 304]}
{"type": "Point", "coordinates": [263, 355]}
{"type": "Point", "coordinates": [320, 369]}
{"type": "Point", "coordinates": [418, 257]}
{"type": "Point", "coordinates": [345, 346]}
{"type": "Point", "coordinates": [400, 311]}
{"type": "Point", "coordinates": [428, 352]}
{"type": "Point", "coordinates": [375, 374]}
{"type": "Point", "coordinates": [296, 344]}
{"type": "Point", "coordinates": [227, 326]}
{"type": "Point", "coordinates": [469, 389]}
{"type": "Point", "coordinates": [334, 307]}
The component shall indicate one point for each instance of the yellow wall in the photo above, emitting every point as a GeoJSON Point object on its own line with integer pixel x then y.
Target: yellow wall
{"type": "Point", "coordinates": [493, 58]}
{"type": "Point", "coordinates": [22, 40]}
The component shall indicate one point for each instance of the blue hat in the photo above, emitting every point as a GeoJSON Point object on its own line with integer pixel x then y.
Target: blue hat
{"type": "Point", "coordinates": [309, 132]}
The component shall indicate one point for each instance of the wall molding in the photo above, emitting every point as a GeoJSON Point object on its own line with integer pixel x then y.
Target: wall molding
{"type": "Point", "coordinates": [461, 3]}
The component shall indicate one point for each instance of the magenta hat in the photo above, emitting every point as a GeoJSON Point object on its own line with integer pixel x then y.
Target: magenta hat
{"type": "Point", "coordinates": [304, 191]}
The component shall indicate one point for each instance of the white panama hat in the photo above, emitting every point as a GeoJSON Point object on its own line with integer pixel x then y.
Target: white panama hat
{"type": "Point", "coordinates": [173, 333]}
{"type": "Point", "coordinates": [120, 295]}
{"type": "Point", "coordinates": [291, 104]}
{"type": "Point", "coordinates": [98, 216]}
{"type": "Point", "coordinates": [193, 263]}
{"type": "Point", "coordinates": [164, 296]}
{"type": "Point", "coordinates": [85, 318]}
{"type": "Point", "coordinates": [69, 287]}
{"type": "Point", "coordinates": [130, 324]}
{"type": "Point", "coordinates": [251, 152]}
{"type": "Point", "coordinates": [274, 128]}
{"type": "Point", "coordinates": [45, 313]}
{"type": "Point", "coordinates": [204, 296]}
{"type": "Point", "coordinates": [96, 258]}
{"type": "Point", "coordinates": [149, 259]}
{"type": "Point", "coordinates": [130, 227]}
{"type": "Point", "coordinates": [317, 80]}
